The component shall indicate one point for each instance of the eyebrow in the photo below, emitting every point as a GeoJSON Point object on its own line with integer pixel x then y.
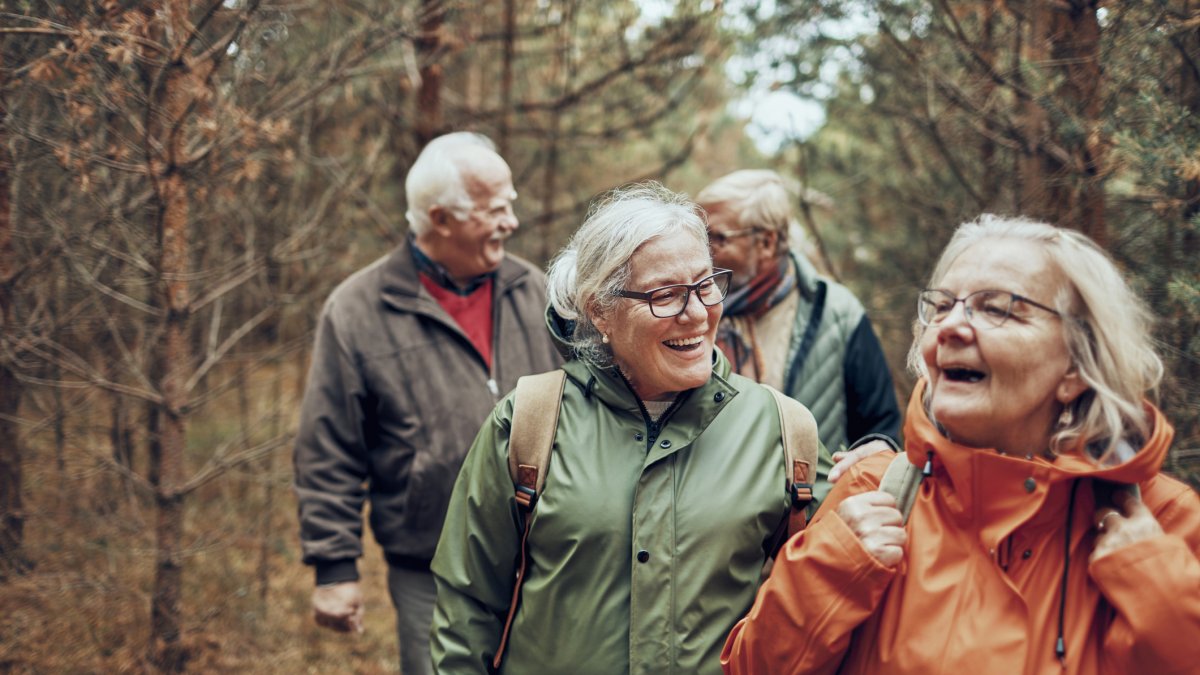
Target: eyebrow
{"type": "Point", "coordinates": [659, 282]}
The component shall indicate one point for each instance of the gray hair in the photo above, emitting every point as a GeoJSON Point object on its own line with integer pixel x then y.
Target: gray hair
{"type": "Point", "coordinates": [583, 276]}
{"type": "Point", "coordinates": [435, 178]}
{"type": "Point", "coordinates": [759, 197]}
{"type": "Point", "coordinates": [1106, 327]}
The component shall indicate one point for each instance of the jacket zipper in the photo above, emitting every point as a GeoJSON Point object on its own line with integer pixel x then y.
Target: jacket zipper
{"type": "Point", "coordinates": [493, 376]}
{"type": "Point", "coordinates": [653, 427]}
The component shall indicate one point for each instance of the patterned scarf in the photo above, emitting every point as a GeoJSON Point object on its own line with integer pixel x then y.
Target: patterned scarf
{"type": "Point", "coordinates": [735, 334]}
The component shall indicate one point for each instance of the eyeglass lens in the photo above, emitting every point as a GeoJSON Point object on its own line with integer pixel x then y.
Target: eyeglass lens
{"type": "Point", "coordinates": [989, 308]}
{"type": "Point", "coordinates": [670, 301]}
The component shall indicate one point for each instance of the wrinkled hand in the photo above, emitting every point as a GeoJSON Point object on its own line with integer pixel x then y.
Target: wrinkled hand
{"type": "Point", "coordinates": [875, 520]}
{"type": "Point", "coordinates": [339, 607]}
{"type": "Point", "coordinates": [843, 460]}
{"type": "Point", "coordinates": [1130, 522]}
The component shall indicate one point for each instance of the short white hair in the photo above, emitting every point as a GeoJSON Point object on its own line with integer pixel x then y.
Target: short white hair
{"type": "Point", "coordinates": [759, 198]}
{"type": "Point", "coordinates": [584, 275]}
{"type": "Point", "coordinates": [435, 178]}
{"type": "Point", "coordinates": [1106, 326]}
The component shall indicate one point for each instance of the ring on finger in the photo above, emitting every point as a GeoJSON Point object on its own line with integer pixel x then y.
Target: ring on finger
{"type": "Point", "coordinates": [1102, 525]}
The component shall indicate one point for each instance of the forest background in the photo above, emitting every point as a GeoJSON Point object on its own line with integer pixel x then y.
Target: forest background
{"type": "Point", "coordinates": [182, 184]}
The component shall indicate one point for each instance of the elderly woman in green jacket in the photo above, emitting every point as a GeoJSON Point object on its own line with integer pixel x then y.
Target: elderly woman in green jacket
{"type": "Point", "coordinates": [665, 489]}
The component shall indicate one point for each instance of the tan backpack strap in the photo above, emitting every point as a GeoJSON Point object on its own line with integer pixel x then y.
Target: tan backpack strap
{"type": "Point", "coordinates": [535, 419]}
{"type": "Point", "coordinates": [536, 403]}
{"type": "Point", "coordinates": [902, 480]}
{"type": "Point", "coordinates": [800, 446]}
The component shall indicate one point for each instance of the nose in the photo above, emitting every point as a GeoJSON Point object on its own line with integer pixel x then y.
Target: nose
{"type": "Point", "coordinates": [956, 324]}
{"type": "Point", "coordinates": [693, 311]}
{"type": "Point", "coordinates": [509, 222]}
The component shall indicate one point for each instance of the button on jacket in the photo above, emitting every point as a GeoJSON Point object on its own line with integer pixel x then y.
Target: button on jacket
{"type": "Point", "coordinates": [395, 395]}
{"type": "Point", "coordinates": [646, 544]}
{"type": "Point", "coordinates": [979, 590]}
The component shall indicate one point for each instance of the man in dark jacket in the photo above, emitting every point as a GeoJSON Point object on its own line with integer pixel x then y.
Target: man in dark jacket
{"type": "Point", "coordinates": [788, 327]}
{"type": "Point", "coordinates": [411, 355]}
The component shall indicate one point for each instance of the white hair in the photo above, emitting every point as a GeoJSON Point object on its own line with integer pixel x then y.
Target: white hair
{"type": "Point", "coordinates": [435, 178]}
{"type": "Point", "coordinates": [1106, 327]}
{"type": "Point", "coordinates": [583, 276]}
{"type": "Point", "coordinates": [759, 197]}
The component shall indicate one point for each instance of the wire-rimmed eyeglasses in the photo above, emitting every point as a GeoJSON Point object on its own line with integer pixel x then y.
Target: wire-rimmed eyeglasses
{"type": "Point", "coordinates": [668, 302]}
{"type": "Point", "coordinates": [984, 309]}
{"type": "Point", "coordinates": [722, 238]}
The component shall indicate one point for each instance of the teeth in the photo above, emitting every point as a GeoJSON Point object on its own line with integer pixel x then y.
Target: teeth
{"type": "Point", "coordinates": [684, 342]}
{"type": "Point", "coordinates": [963, 374]}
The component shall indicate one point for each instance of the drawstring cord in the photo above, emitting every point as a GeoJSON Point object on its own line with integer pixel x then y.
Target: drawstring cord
{"type": "Point", "coordinates": [1060, 647]}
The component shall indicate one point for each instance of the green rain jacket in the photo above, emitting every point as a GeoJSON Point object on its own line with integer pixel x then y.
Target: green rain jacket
{"type": "Point", "coordinates": [646, 544]}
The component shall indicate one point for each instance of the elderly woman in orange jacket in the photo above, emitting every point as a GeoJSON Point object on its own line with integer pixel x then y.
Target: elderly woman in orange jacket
{"type": "Point", "coordinates": [1022, 553]}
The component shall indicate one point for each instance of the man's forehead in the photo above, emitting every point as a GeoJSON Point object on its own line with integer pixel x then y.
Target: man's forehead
{"type": "Point", "coordinates": [721, 217]}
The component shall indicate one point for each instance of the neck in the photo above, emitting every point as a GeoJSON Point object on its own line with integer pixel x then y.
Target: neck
{"type": "Point", "coordinates": [435, 253]}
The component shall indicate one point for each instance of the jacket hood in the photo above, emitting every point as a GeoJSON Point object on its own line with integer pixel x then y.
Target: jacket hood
{"type": "Point", "coordinates": [1070, 465]}
{"type": "Point", "coordinates": [561, 331]}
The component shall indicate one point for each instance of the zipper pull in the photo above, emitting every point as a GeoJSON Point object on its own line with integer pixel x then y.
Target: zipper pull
{"type": "Point", "coordinates": [493, 387]}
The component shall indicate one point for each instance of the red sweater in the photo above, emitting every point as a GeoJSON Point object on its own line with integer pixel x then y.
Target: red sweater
{"type": "Point", "coordinates": [472, 313]}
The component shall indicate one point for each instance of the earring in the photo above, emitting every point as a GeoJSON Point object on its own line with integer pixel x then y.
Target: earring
{"type": "Point", "coordinates": [1066, 418]}
{"type": "Point", "coordinates": [604, 338]}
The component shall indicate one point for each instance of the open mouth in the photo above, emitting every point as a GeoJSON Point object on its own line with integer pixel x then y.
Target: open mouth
{"type": "Point", "coordinates": [962, 375]}
{"type": "Point", "coordinates": [685, 344]}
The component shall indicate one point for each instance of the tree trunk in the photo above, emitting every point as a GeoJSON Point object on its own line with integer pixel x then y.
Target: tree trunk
{"type": "Point", "coordinates": [166, 613]}
{"type": "Point", "coordinates": [12, 515]}
{"type": "Point", "coordinates": [429, 97]}
{"type": "Point", "coordinates": [1062, 180]}
{"type": "Point", "coordinates": [991, 183]}
{"type": "Point", "coordinates": [1034, 174]}
{"type": "Point", "coordinates": [1079, 200]}
{"type": "Point", "coordinates": [506, 74]}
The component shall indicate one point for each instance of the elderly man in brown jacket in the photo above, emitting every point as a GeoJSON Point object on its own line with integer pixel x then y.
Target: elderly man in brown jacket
{"type": "Point", "coordinates": [411, 355]}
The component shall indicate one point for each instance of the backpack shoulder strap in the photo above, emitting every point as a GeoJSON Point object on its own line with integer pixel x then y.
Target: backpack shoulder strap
{"type": "Point", "coordinates": [536, 403]}
{"type": "Point", "coordinates": [800, 447]}
{"type": "Point", "coordinates": [902, 480]}
{"type": "Point", "coordinates": [535, 419]}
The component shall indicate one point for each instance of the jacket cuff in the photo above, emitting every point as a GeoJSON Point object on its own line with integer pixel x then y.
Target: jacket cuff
{"type": "Point", "coordinates": [336, 571]}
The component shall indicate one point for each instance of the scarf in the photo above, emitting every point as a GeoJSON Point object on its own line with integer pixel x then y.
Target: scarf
{"type": "Point", "coordinates": [735, 334]}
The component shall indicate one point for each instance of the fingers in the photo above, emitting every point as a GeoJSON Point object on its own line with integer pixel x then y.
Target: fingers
{"type": "Point", "coordinates": [1116, 529]}
{"type": "Point", "coordinates": [878, 524]}
{"type": "Point", "coordinates": [339, 607]}
{"type": "Point", "coordinates": [844, 459]}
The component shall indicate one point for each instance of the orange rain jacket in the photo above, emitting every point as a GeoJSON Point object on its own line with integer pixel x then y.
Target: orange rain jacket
{"type": "Point", "coordinates": [979, 590]}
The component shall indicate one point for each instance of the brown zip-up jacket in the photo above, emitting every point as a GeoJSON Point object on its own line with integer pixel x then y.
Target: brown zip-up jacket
{"type": "Point", "coordinates": [395, 396]}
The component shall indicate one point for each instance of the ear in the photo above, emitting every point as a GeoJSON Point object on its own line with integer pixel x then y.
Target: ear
{"type": "Point", "coordinates": [439, 217]}
{"type": "Point", "coordinates": [768, 241]}
{"type": "Point", "coordinates": [598, 319]}
{"type": "Point", "coordinates": [1070, 387]}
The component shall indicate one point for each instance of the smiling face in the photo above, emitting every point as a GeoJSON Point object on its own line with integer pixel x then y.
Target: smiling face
{"type": "Point", "coordinates": [662, 357]}
{"type": "Point", "coordinates": [1000, 387]}
{"type": "Point", "coordinates": [474, 244]}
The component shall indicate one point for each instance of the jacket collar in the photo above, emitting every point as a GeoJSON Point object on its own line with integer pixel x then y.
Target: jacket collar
{"type": "Point", "coordinates": [999, 491]}
{"type": "Point", "coordinates": [402, 289]}
{"type": "Point", "coordinates": [806, 275]}
{"type": "Point", "coordinates": [683, 423]}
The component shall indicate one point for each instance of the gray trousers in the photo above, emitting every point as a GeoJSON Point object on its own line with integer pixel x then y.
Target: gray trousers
{"type": "Point", "coordinates": [413, 594]}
